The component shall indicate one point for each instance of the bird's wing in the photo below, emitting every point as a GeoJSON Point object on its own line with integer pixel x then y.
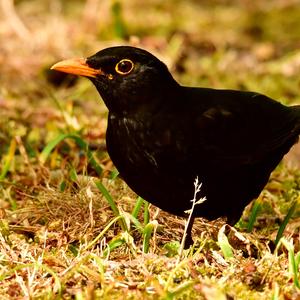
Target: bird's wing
{"type": "Point", "coordinates": [225, 128]}
{"type": "Point", "coordinates": [244, 133]}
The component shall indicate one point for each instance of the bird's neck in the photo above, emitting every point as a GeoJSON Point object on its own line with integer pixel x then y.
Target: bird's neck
{"type": "Point", "coordinates": [144, 102]}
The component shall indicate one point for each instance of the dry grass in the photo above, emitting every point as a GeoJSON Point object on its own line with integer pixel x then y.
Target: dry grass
{"type": "Point", "coordinates": [54, 231]}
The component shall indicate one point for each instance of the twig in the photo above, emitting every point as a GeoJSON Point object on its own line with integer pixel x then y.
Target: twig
{"type": "Point", "coordinates": [190, 217]}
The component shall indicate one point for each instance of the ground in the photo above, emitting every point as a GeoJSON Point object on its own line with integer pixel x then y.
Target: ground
{"type": "Point", "coordinates": [70, 228]}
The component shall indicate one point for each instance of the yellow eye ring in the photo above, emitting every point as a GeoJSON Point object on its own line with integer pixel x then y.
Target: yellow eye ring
{"type": "Point", "coordinates": [124, 66]}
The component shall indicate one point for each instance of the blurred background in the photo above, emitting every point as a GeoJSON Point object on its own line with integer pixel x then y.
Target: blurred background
{"type": "Point", "coordinates": [204, 42]}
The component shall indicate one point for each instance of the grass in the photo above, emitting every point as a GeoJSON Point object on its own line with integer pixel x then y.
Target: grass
{"type": "Point", "coordinates": [70, 228]}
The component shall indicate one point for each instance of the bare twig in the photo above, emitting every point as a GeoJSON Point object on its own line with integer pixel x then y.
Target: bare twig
{"type": "Point", "coordinates": [190, 212]}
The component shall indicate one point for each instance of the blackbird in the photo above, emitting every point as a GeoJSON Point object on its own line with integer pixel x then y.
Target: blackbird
{"type": "Point", "coordinates": [162, 135]}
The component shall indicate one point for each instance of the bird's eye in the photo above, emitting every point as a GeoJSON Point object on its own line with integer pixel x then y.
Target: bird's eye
{"type": "Point", "coordinates": [124, 66]}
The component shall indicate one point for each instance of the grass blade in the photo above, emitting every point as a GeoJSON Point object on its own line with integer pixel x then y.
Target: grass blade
{"type": "Point", "coordinates": [285, 221]}
{"type": "Point", "coordinates": [101, 234]}
{"type": "Point", "coordinates": [9, 158]}
{"type": "Point", "coordinates": [254, 212]}
{"type": "Point", "coordinates": [293, 260]}
{"type": "Point", "coordinates": [108, 197]}
{"type": "Point", "coordinates": [111, 203]}
{"type": "Point", "coordinates": [135, 222]}
{"type": "Point", "coordinates": [146, 213]}
{"type": "Point", "coordinates": [224, 243]}
{"type": "Point", "coordinates": [79, 141]}
{"type": "Point", "coordinates": [149, 228]}
{"type": "Point", "coordinates": [137, 207]}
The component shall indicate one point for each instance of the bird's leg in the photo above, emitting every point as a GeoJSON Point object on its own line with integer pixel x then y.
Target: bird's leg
{"type": "Point", "coordinates": [188, 236]}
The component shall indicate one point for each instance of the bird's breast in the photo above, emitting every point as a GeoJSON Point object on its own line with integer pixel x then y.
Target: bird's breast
{"type": "Point", "coordinates": [128, 143]}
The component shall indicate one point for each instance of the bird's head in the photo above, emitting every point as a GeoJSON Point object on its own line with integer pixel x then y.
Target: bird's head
{"type": "Point", "coordinates": [127, 78]}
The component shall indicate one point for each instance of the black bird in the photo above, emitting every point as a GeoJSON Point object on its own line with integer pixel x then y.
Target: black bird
{"type": "Point", "coordinates": [162, 135]}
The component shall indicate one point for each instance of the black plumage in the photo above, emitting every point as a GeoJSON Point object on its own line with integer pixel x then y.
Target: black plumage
{"type": "Point", "coordinates": [162, 135]}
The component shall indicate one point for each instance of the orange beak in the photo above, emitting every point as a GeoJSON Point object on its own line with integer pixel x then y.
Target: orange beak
{"type": "Point", "coordinates": [77, 66]}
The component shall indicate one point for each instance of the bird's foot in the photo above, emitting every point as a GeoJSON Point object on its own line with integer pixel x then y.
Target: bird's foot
{"type": "Point", "coordinates": [188, 241]}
